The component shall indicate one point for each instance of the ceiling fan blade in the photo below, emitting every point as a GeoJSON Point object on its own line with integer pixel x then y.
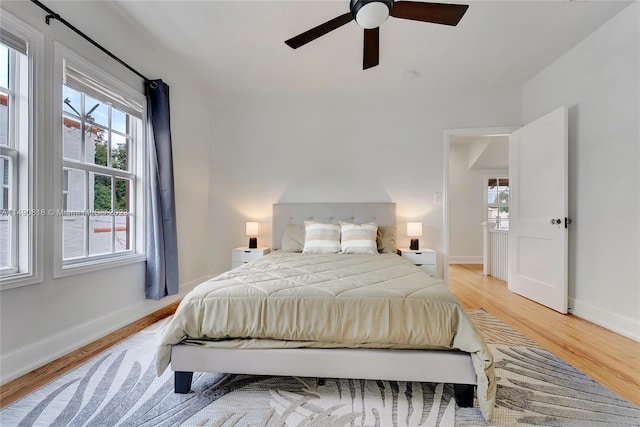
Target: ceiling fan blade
{"type": "Point", "coordinates": [319, 31]}
{"type": "Point", "coordinates": [371, 49]}
{"type": "Point", "coordinates": [437, 13]}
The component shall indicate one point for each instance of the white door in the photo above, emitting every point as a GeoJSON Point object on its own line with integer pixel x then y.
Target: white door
{"type": "Point", "coordinates": [538, 210]}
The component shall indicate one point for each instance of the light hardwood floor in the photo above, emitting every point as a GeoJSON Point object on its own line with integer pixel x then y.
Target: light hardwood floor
{"type": "Point", "coordinates": [609, 358]}
{"type": "Point", "coordinates": [14, 390]}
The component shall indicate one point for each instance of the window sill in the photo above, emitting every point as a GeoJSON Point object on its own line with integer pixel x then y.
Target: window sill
{"type": "Point", "coordinates": [19, 279]}
{"type": "Point", "coordinates": [96, 265]}
{"type": "Point", "coordinates": [502, 230]}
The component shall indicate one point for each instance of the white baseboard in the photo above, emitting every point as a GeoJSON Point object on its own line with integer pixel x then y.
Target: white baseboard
{"type": "Point", "coordinates": [26, 359]}
{"type": "Point", "coordinates": [622, 325]}
{"type": "Point", "coordinates": [465, 259]}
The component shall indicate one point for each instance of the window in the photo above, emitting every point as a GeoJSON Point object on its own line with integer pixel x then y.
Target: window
{"type": "Point", "coordinates": [101, 148]}
{"type": "Point", "coordinates": [498, 202]}
{"type": "Point", "coordinates": [19, 47]}
{"type": "Point", "coordinates": [12, 130]}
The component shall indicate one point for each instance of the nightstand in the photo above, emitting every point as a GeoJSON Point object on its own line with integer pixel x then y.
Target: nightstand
{"type": "Point", "coordinates": [424, 258]}
{"type": "Point", "coordinates": [240, 256]}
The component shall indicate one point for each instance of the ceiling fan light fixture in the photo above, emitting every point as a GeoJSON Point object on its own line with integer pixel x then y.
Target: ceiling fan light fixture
{"type": "Point", "coordinates": [371, 13]}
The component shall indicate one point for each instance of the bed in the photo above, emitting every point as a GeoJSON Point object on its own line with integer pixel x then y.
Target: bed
{"type": "Point", "coordinates": [329, 316]}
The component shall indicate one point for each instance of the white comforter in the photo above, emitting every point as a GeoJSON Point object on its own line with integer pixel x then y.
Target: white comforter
{"type": "Point", "coordinates": [336, 300]}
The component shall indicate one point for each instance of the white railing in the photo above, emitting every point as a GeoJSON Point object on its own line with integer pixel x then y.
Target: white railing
{"type": "Point", "coordinates": [495, 251]}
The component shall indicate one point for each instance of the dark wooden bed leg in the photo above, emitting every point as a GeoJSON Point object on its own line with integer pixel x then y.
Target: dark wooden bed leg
{"type": "Point", "coordinates": [464, 395]}
{"type": "Point", "coordinates": [320, 382]}
{"type": "Point", "coordinates": [182, 382]}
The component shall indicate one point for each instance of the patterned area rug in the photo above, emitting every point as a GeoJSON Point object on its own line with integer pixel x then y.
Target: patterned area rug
{"type": "Point", "coordinates": [119, 388]}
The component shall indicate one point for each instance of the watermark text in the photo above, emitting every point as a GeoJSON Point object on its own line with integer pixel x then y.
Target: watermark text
{"type": "Point", "coordinates": [61, 212]}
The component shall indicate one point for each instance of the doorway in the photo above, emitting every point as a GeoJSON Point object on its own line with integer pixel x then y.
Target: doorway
{"type": "Point", "coordinates": [470, 156]}
{"type": "Point", "coordinates": [537, 240]}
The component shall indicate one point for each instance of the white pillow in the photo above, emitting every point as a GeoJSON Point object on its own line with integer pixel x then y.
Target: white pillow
{"type": "Point", "coordinates": [359, 238]}
{"type": "Point", "coordinates": [387, 240]}
{"type": "Point", "coordinates": [293, 238]}
{"type": "Point", "coordinates": [321, 238]}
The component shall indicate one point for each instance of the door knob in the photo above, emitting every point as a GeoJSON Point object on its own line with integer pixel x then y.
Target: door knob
{"type": "Point", "coordinates": [556, 221]}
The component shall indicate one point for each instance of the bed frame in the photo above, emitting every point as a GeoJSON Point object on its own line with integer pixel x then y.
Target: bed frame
{"type": "Point", "coordinates": [453, 367]}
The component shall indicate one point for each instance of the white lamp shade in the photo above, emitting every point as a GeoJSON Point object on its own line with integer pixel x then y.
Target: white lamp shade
{"type": "Point", "coordinates": [253, 229]}
{"type": "Point", "coordinates": [414, 229]}
{"type": "Point", "coordinates": [372, 15]}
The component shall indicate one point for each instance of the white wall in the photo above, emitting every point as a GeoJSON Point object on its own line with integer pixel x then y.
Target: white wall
{"type": "Point", "coordinates": [466, 206]}
{"type": "Point", "coordinates": [43, 321]}
{"type": "Point", "coordinates": [598, 81]}
{"type": "Point", "coordinates": [338, 148]}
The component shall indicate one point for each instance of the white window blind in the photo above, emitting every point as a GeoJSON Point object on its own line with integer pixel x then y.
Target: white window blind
{"type": "Point", "coordinates": [82, 82]}
{"type": "Point", "coordinates": [14, 42]}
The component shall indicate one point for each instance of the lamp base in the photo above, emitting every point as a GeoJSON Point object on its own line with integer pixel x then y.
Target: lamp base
{"type": "Point", "coordinates": [253, 242]}
{"type": "Point", "coordinates": [414, 244]}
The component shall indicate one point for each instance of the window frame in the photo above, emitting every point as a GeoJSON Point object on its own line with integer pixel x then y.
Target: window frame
{"type": "Point", "coordinates": [12, 154]}
{"type": "Point", "coordinates": [487, 205]}
{"type": "Point", "coordinates": [27, 229]}
{"type": "Point", "coordinates": [63, 58]}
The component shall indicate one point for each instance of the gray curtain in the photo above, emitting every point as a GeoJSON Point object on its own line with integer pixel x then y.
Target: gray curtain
{"type": "Point", "coordinates": [161, 235]}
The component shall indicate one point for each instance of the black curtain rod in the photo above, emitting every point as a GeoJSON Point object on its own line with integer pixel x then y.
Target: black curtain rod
{"type": "Point", "coordinates": [52, 15]}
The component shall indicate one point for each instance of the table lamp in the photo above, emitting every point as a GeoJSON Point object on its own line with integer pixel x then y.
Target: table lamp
{"type": "Point", "coordinates": [414, 230]}
{"type": "Point", "coordinates": [253, 230]}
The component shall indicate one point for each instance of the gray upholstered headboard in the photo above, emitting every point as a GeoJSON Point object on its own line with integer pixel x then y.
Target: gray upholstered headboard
{"type": "Point", "coordinates": [383, 214]}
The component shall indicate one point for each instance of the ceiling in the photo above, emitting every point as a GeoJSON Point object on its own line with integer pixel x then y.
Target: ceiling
{"type": "Point", "coordinates": [238, 46]}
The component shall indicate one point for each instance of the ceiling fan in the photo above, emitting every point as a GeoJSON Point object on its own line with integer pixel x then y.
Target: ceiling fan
{"type": "Point", "coordinates": [370, 14]}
